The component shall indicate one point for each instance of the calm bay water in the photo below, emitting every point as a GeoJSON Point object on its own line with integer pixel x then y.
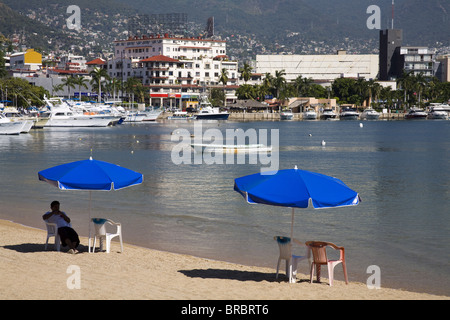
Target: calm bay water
{"type": "Point", "coordinates": [400, 168]}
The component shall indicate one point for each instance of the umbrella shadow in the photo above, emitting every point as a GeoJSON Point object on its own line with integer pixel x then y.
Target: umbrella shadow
{"type": "Point", "coordinates": [229, 275]}
{"type": "Point", "coordinates": [38, 247]}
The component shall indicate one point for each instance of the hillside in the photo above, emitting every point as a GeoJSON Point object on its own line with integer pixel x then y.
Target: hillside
{"type": "Point", "coordinates": [251, 26]}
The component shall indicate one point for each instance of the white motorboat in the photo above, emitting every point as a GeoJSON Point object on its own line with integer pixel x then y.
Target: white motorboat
{"type": "Point", "coordinates": [151, 115]}
{"type": "Point", "coordinates": [438, 111]}
{"type": "Point", "coordinates": [328, 114]}
{"type": "Point", "coordinates": [207, 112]}
{"type": "Point", "coordinates": [370, 114]}
{"type": "Point", "coordinates": [14, 115]}
{"type": "Point", "coordinates": [348, 114]}
{"type": "Point", "coordinates": [179, 115]}
{"type": "Point", "coordinates": [286, 115]}
{"type": "Point", "coordinates": [7, 126]}
{"type": "Point", "coordinates": [416, 113]}
{"type": "Point", "coordinates": [230, 148]}
{"type": "Point", "coordinates": [135, 117]}
{"type": "Point", "coordinates": [60, 114]}
{"type": "Point", "coordinates": [309, 114]}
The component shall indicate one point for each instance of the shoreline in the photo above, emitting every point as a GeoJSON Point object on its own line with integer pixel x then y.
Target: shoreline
{"type": "Point", "coordinates": [27, 271]}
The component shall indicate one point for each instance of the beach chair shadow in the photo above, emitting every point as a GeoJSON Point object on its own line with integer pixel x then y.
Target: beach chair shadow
{"type": "Point", "coordinates": [229, 274]}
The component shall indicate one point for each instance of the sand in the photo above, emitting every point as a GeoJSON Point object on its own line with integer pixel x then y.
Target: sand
{"type": "Point", "coordinates": [27, 271]}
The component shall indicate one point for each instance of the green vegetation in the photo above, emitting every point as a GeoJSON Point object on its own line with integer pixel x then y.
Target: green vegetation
{"type": "Point", "coordinates": [412, 90]}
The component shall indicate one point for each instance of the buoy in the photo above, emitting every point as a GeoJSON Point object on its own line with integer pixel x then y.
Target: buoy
{"type": "Point", "coordinates": [310, 135]}
{"type": "Point", "coordinates": [361, 125]}
{"type": "Point", "coordinates": [323, 143]}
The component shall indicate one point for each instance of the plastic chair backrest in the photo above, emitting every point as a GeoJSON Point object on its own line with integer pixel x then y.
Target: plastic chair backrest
{"type": "Point", "coordinates": [285, 245]}
{"type": "Point", "coordinates": [52, 229]}
{"type": "Point", "coordinates": [99, 224]}
{"type": "Point", "coordinates": [319, 251]}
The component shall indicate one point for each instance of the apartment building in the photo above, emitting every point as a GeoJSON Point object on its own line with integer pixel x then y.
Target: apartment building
{"type": "Point", "coordinates": [174, 69]}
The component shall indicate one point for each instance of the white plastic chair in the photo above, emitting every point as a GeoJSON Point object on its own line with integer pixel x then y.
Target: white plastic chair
{"type": "Point", "coordinates": [285, 245]}
{"type": "Point", "coordinates": [52, 231]}
{"type": "Point", "coordinates": [100, 233]}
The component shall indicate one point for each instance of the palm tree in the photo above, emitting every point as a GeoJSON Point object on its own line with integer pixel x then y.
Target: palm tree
{"type": "Point", "coordinates": [81, 82]}
{"type": "Point", "coordinates": [69, 82]}
{"type": "Point", "coordinates": [246, 72]}
{"type": "Point", "coordinates": [224, 80]}
{"type": "Point", "coordinates": [279, 81]}
{"type": "Point", "coordinates": [97, 74]}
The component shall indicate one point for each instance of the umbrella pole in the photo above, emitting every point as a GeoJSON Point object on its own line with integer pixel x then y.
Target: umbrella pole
{"type": "Point", "coordinates": [90, 199]}
{"type": "Point", "coordinates": [292, 225]}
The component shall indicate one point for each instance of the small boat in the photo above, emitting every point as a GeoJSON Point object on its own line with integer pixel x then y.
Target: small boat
{"type": "Point", "coordinates": [207, 112]}
{"type": "Point", "coordinates": [286, 115]}
{"type": "Point", "coordinates": [134, 117]}
{"type": "Point", "coordinates": [309, 114]}
{"type": "Point", "coordinates": [151, 115]}
{"type": "Point", "coordinates": [7, 126]}
{"type": "Point", "coordinates": [348, 114]}
{"type": "Point", "coordinates": [438, 111]}
{"type": "Point", "coordinates": [416, 113]}
{"type": "Point", "coordinates": [328, 114]}
{"type": "Point", "coordinates": [370, 114]}
{"type": "Point", "coordinates": [14, 115]}
{"type": "Point", "coordinates": [230, 148]}
{"type": "Point", "coordinates": [179, 115]}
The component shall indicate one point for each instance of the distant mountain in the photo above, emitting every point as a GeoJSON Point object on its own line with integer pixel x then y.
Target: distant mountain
{"type": "Point", "coordinates": [424, 22]}
{"type": "Point", "coordinates": [271, 22]}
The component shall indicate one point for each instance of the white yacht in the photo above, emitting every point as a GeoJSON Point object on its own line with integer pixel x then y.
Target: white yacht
{"type": "Point", "coordinates": [179, 115]}
{"type": "Point", "coordinates": [151, 114]}
{"type": "Point", "coordinates": [60, 114]}
{"type": "Point", "coordinates": [309, 114]}
{"type": "Point", "coordinates": [370, 114]}
{"type": "Point", "coordinates": [286, 115]}
{"type": "Point", "coordinates": [416, 113]}
{"type": "Point", "coordinates": [14, 115]}
{"type": "Point", "coordinates": [7, 126]}
{"type": "Point", "coordinates": [438, 111]}
{"type": "Point", "coordinates": [328, 114]}
{"type": "Point", "coordinates": [230, 148]}
{"type": "Point", "coordinates": [348, 114]}
{"type": "Point", "coordinates": [207, 112]}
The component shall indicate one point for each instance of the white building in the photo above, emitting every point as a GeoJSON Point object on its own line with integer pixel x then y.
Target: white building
{"type": "Point", "coordinates": [320, 67]}
{"type": "Point", "coordinates": [174, 68]}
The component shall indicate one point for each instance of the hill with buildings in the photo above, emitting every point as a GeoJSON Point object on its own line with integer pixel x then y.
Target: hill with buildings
{"type": "Point", "coordinates": [250, 26]}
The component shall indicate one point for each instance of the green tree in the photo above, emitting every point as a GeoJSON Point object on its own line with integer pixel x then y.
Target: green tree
{"type": "Point", "coordinates": [69, 82]}
{"type": "Point", "coordinates": [98, 74]}
{"type": "Point", "coordinates": [80, 81]}
{"type": "Point", "coordinates": [246, 72]}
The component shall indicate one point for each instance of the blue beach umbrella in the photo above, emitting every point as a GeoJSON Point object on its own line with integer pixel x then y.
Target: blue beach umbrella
{"type": "Point", "coordinates": [295, 188]}
{"type": "Point", "coordinates": [90, 175]}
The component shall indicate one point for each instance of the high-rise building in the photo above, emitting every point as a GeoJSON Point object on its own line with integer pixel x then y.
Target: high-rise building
{"type": "Point", "coordinates": [389, 57]}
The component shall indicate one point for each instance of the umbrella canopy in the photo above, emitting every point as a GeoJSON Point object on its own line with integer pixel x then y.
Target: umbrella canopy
{"type": "Point", "coordinates": [90, 175]}
{"type": "Point", "coordinates": [295, 188]}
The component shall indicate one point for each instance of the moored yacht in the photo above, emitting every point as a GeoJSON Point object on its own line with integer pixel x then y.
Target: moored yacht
{"type": "Point", "coordinates": [286, 115]}
{"type": "Point", "coordinates": [7, 126]}
{"type": "Point", "coordinates": [207, 112]}
{"type": "Point", "coordinates": [370, 114]}
{"type": "Point", "coordinates": [348, 114]}
{"type": "Point", "coordinates": [416, 113]}
{"type": "Point", "coordinates": [438, 111]}
{"type": "Point", "coordinates": [309, 114]}
{"type": "Point", "coordinates": [328, 114]}
{"type": "Point", "coordinates": [62, 115]}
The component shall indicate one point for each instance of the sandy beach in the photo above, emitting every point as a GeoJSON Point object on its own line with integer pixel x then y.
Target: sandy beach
{"type": "Point", "coordinates": [27, 271]}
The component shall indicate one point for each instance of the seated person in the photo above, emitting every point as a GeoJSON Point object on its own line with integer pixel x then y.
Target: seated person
{"type": "Point", "coordinates": [68, 236]}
